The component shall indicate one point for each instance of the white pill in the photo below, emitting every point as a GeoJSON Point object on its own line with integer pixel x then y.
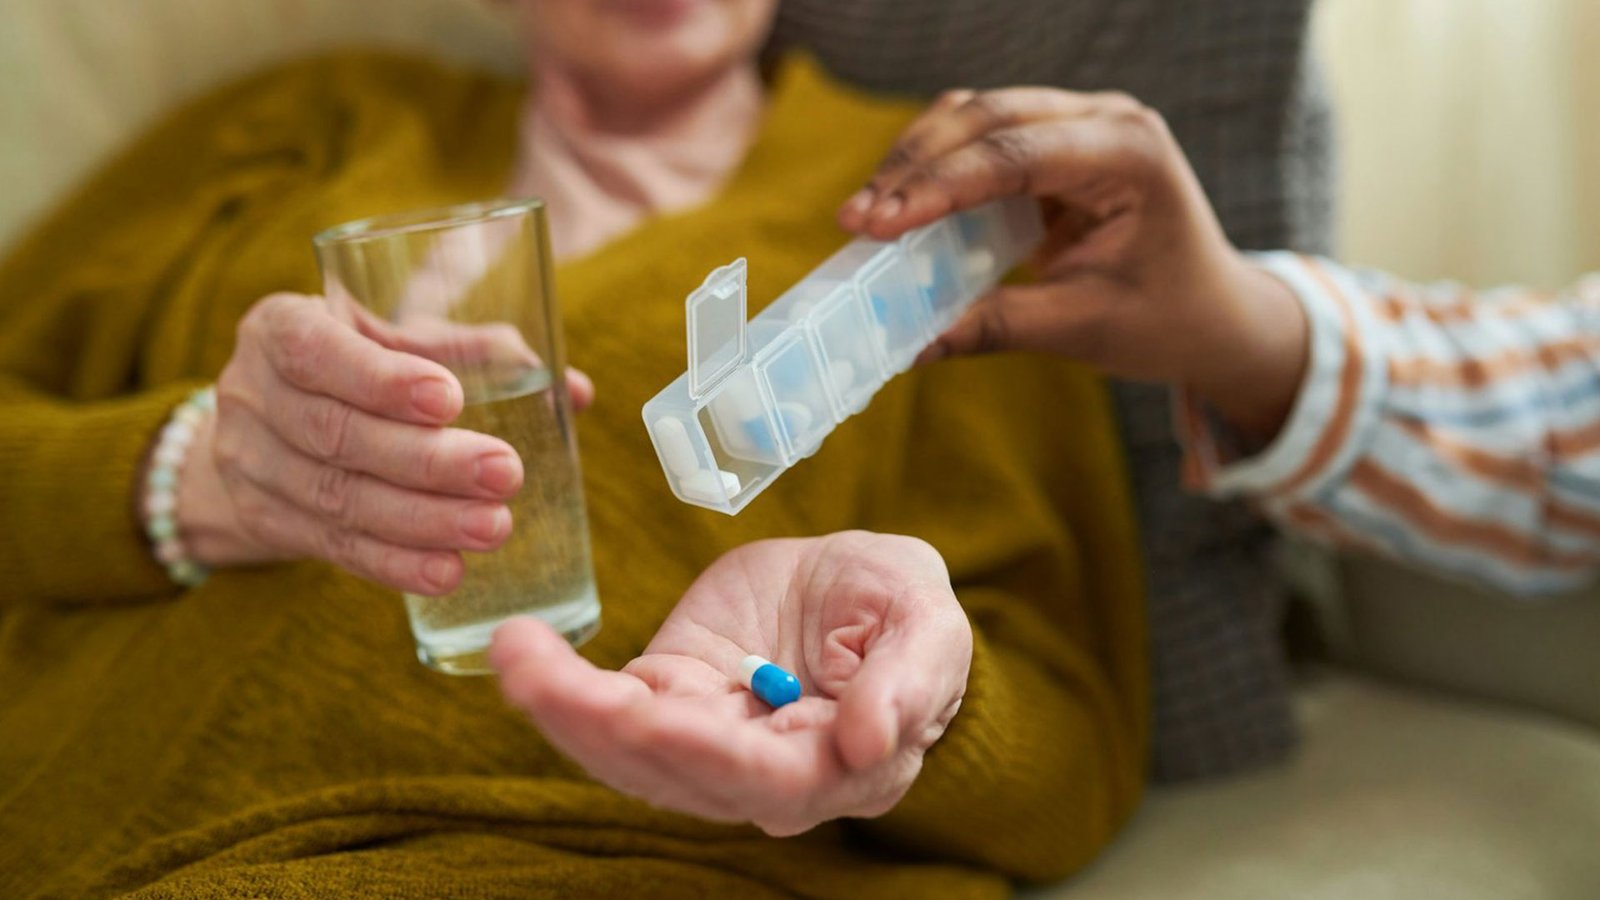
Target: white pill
{"type": "Point", "coordinates": [673, 441]}
{"type": "Point", "coordinates": [842, 374]}
{"type": "Point", "coordinates": [797, 417]}
{"type": "Point", "coordinates": [980, 260]}
{"type": "Point", "coordinates": [710, 487]}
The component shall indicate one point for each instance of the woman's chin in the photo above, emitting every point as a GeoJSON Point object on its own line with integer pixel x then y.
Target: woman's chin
{"type": "Point", "coordinates": [667, 69]}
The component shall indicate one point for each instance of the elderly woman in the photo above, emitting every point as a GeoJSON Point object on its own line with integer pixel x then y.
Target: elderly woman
{"type": "Point", "coordinates": [266, 732]}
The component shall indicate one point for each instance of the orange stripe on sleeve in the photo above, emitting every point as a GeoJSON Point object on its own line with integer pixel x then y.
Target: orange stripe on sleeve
{"type": "Point", "coordinates": [1396, 308]}
{"type": "Point", "coordinates": [1567, 445]}
{"type": "Point", "coordinates": [1508, 471]}
{"type": "Point", "coordinates": [1444, 527]}
{"type": "Point", "coordinates": [1349, 388]}
{"type": "Point", "coordinates": [1480, 373]}
{"type": "Point", "coordinates": [1574, 520]}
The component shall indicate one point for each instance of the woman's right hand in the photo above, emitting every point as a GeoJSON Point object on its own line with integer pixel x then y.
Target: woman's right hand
{"type": "Point", "coordinates": [328, 444]}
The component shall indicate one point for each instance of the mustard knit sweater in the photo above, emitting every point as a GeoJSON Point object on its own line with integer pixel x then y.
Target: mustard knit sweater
{"type": "Point", "coordinates": [270, 733]}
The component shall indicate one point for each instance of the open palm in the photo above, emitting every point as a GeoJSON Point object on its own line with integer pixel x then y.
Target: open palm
{"type": "Point", "coordinates": [867, 622]}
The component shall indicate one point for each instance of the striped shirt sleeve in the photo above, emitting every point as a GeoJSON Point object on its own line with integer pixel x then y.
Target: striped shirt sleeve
{"type": "Point", "coordinates": [1456, 430]}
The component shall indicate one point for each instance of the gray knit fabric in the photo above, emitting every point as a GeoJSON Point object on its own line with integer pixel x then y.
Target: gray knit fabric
{"type": "Point", "coordinates": [1233, 79]}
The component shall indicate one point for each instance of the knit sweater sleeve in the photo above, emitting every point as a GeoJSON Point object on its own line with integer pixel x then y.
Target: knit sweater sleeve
{"type": "Point", "coordinates": [84, 385]}
{"type": "Point", "coordinates": [68, 528]}
{"type": "Point", "coordinates": [1038, 770]}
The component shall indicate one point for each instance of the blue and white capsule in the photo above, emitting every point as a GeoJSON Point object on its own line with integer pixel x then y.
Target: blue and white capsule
{"type": "Point", "coordinates": [775, 686]}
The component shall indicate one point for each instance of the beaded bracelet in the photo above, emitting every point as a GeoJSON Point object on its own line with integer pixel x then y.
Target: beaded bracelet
{"type": "Point", "coordinates": [161, 487]}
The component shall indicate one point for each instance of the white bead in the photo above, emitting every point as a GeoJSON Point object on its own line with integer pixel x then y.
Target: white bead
{"type": "Point", "coordinates": [170, 455]}
{"type": "Point", "coordinates": [170, 552]}
{"type": "Point", "coordinates": [160, 503]}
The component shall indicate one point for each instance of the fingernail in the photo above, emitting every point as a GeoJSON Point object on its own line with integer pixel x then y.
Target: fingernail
{"type": "Point", "coordinates": [485, 522]}
{"type": "Point", "coordinates": [889, 208]}
{"type": "Point", "coordinates": [439, 571]}
{"type": "Point", "coordinates": [432, 397]}
{"type": "Point", "coordinates": [859, 202]}
{"type": "Point", "coordinates": [497, 472]}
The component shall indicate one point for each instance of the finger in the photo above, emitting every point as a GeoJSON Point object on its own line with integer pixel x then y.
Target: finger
{"type": "Point", "coordinates": [580, 388]}
{"type": "Point", "coordinates": [853, 213]}
{"type": "Point", "coordinates": [449, 461]}
{"type": "Point", "coordinates": [493, 352]}
{"type": "Point", "coordinates": [311, 349]}
{"type": "Point", "coordinates": [352, 500]}
{"type": "Point", "coordinates": [1061, 317]}
{"type": "Point", "coordinates": [278, 523]}
{"type": "Point", "coordinates": [540, 673]}
{"type": "Point", "coordinates": [573, 703]}
{"type": "Point", "coordinates": [738, 766]}
{"type": "Point", "coordinates": [942, 131]}
{"type": "Point", "coordinates": [909, 680]}
{"type": "Point", "coordinates": [599, 719]}
{"type": "Point", "coordinates": [1083, 161]}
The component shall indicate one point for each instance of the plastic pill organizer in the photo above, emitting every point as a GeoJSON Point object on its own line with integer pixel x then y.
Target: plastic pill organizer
{"type": "Point", "coordinates": [760, 396]}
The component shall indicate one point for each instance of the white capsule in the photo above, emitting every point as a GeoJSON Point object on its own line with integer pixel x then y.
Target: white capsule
{"type": "Point", "coordinates": [676, 450]}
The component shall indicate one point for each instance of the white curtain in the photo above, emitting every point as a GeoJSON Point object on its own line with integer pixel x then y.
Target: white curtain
{"type": "Point", "coordinates": [1470, 136]}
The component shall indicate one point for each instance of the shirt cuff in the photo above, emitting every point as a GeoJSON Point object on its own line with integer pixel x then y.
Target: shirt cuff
{"type": "Point", "coordinates": [1334, 412]}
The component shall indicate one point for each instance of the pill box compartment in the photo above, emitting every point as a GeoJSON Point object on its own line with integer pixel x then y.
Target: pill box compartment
{"type": "Point", "coordinates": [852, 351]}
{"type": "Point", "coordinates": [761, 395]}
{"type": "Point", "coordinates": [936, 264]}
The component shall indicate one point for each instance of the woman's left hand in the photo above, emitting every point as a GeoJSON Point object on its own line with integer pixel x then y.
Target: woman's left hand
{"type": "Point", "coordinates": [867, 622]}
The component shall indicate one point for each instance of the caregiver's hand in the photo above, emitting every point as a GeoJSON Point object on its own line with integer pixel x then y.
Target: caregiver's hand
{"type": "Point", "coordinates": [1136, 276]}
{"type": "Point", "coordinates": [329, 444]}
{"type": "Point", "coordinates": [867, 622]}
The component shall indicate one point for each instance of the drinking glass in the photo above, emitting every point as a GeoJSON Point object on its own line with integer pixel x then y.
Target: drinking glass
{"type": "Point", "coordinates": [469, 287]}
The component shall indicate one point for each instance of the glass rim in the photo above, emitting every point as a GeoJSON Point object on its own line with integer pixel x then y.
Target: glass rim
{"type": "Point", "coordinates": [437, 218]}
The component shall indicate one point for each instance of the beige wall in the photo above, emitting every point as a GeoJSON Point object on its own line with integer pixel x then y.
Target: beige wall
{"type": "Point", "coordinates": [1471, 135]}
{"type": "Point", "coordinates": [79, 77]}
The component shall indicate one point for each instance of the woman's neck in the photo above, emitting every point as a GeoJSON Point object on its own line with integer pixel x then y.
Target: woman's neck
{"type": "Point", "coordinates": [602, 163]}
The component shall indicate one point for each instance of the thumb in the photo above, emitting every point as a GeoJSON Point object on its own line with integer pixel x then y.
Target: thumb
{"type": "Point", "coordinates": [1051, 317]}
{"type": "Point", "coordinates": [580, 387]}
{"type": "Point", "coordinates": [535, 664]}
{"type": "Point", "coordinates": [904, 686]}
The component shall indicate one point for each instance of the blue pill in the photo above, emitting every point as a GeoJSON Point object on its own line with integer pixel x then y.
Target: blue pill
{"type": "Point", "coordinates": [772, 684]}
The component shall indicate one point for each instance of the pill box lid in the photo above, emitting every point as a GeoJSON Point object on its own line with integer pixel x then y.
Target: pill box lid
{"type": "Point", "coordinates": [715, 313]}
